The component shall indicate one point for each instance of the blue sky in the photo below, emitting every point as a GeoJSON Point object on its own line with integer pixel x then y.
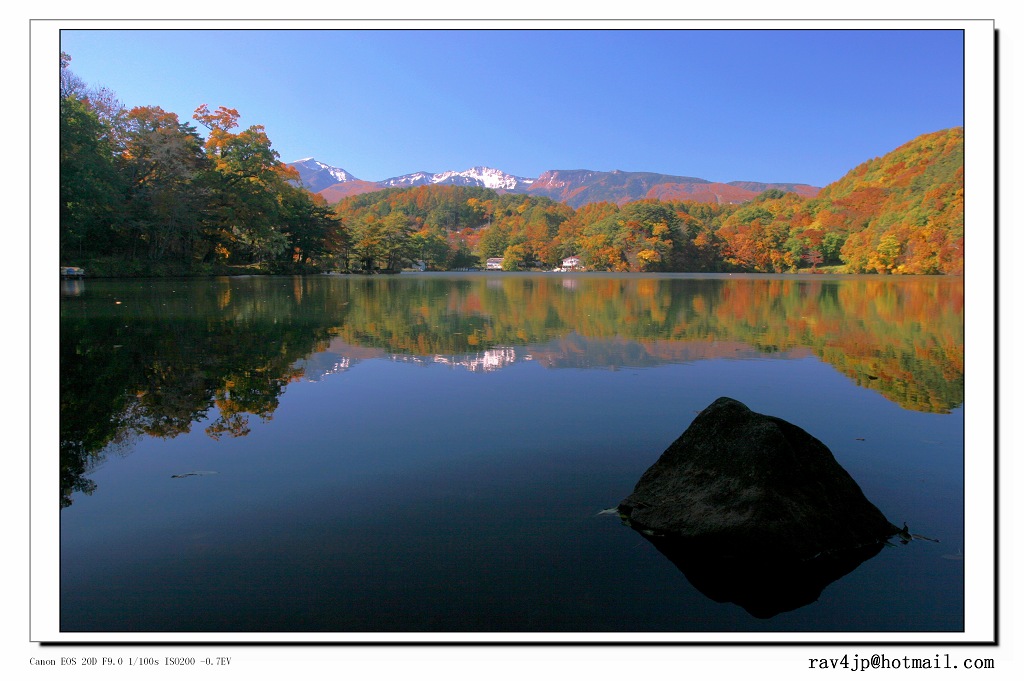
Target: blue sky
{"type": "Point", "coordinates": [763, 105]}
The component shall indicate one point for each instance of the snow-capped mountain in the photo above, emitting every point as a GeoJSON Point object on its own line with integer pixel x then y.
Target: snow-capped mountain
{"type": "Point", "coordinates": [477, 176]}
{"type": "Point", "coordinates": [316, 175]}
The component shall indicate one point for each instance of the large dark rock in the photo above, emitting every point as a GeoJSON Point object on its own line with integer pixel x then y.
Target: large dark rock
{"type": "Point", "coordinates": [743, 485]}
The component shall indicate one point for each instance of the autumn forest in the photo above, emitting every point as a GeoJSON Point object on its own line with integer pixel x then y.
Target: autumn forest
{"type": "Point", "coordinates": [143, 193]}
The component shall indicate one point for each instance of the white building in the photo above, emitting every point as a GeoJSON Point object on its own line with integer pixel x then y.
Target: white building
{"type": "Point", "coordinates": [573, 262]}
{"type": "Point", "coordinates": [494, 263]}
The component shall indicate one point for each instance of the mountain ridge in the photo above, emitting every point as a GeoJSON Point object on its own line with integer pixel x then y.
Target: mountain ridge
{"type": "Point", "coordinates": [575, 187]}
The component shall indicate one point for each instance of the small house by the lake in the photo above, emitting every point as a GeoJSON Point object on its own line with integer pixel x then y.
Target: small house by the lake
{"type": "Point", "coordinates": [494, 263]}
{"type": "Point", "coordinates": [573, 262]}
{"type": "Point", "coordinates": [72, 273]}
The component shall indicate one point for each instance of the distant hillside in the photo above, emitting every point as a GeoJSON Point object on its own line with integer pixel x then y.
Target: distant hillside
{"type": "Point", "coordinates": [580, 187]}
{"type": "Point", "coordinates": [718, 192]}
{"type": "Point", "coordinates": [336, 192]}
{"type": "Point", "coordinates": [758, 187]}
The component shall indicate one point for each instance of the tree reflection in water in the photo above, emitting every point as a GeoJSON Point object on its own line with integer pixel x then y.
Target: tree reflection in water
{"type": "Point", "coordinates": [152, 358]}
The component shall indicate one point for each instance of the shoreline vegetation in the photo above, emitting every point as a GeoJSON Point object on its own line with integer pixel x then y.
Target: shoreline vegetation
{"type": "Point", "coordinates": [143, 194]}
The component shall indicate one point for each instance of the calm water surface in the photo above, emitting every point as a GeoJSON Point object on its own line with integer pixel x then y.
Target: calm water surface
{"type": "Point", "coordinates": [430, 453]}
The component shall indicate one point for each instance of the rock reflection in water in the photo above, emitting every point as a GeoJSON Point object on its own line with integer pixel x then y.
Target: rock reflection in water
{"type": "Point", "coordinates": [764, 588]}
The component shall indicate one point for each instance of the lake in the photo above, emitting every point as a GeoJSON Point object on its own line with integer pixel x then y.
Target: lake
{"type": "Point", "coordinates": [432, 452]}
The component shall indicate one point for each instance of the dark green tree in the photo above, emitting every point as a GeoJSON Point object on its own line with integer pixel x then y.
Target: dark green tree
{"type": "Point", "coordinates": [91, 190]}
